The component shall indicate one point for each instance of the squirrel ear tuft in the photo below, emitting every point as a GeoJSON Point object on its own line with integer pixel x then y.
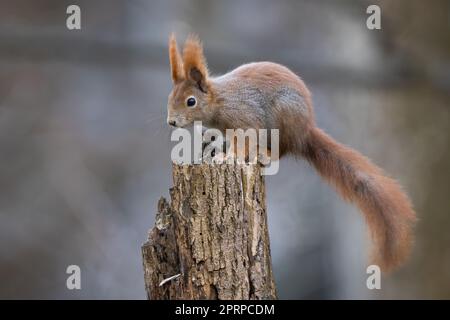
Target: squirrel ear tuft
{"type": "Point", "coordinates": [194, 62]}
{"type": "Point", "coordinates": [176, 64]}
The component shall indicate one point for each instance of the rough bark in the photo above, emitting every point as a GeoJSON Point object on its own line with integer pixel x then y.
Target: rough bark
{"type": "Point", "coordinates": [213, 235]}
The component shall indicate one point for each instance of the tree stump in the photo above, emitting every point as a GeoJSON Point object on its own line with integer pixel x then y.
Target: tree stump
{"type": "Point", "coordinates": [212, 240]}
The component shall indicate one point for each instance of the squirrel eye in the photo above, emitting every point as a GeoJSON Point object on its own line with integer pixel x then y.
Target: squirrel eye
{"type": "Point", "coordinates": [191, 102]}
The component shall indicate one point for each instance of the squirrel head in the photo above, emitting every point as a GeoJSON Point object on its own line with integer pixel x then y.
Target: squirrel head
{"type": "Point", "coordinates": [191, 96]}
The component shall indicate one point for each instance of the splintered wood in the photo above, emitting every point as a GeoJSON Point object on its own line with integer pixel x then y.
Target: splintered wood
{"type": "Point", "coordinates": [212, 240]}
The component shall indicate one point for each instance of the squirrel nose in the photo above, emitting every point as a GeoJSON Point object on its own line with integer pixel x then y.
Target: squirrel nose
{"type": "Point", "coordinates": [172, 123]}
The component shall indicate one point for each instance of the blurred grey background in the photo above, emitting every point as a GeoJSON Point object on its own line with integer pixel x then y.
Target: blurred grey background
{"type": "Point", "coordinates": [85, 151]}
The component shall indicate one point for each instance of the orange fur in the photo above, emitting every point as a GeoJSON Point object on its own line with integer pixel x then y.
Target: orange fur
{"type": "Point", "coordinates": [270, 96]}
{"type": "Point", "coordinates": [386, 208]}
{"type": "Point", "coordinates": [193, 57]}
{"type": "Point", "coordinates": [175, 60]}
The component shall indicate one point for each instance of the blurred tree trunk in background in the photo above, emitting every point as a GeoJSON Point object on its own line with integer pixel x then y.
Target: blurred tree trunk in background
{"type": "Point", "coordinates": [212, 241]}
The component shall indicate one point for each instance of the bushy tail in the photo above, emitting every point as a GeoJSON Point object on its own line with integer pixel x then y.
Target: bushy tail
{"type": "Point", "coordinates": [387, 209]}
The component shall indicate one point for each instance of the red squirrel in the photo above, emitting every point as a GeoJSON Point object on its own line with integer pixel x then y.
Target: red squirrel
{"type": "Point", "coordinates": [266, 95]}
